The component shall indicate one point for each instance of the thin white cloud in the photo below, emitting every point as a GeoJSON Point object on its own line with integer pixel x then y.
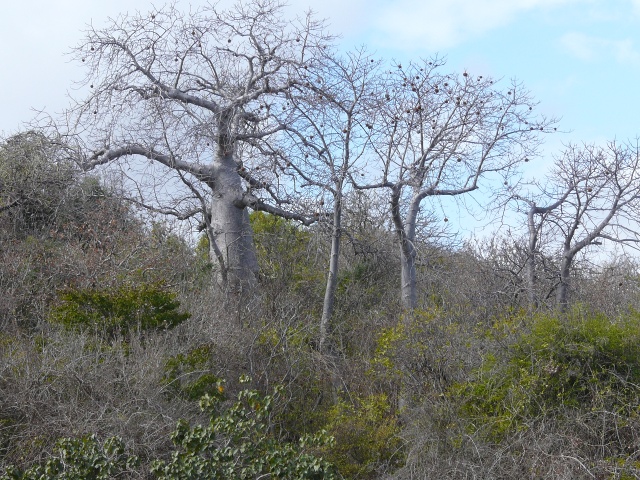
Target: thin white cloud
{"type": "Point", "coordinates": [591, 48]}
{"type": "Point", "coordinates": [580, 45]}
{"type": "Point", "coordinates": [440, 24]}
{"type": "Point", "coordinates": [345, 17]}
{"type": "Point", "coordinates": [625, 52]}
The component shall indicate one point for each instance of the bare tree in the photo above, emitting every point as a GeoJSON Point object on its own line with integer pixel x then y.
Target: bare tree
{"type": "Point", "coordinates": [440, 136]}
{"type": "Point", "coordinates": [601, 202]}
{"type": "Point", "coordinates": [537, 217]}
{"type": "Point", "coordinates": [198, 95]}
{"type": "Point", "coordinates": [36, 175]}
{"type": "Point", "coordinates": [330, 140]}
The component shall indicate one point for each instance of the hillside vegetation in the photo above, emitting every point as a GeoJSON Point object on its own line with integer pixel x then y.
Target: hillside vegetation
{"type": "Point", "coordinates": [232, 260]}
{"type": "Point", "coordinates": [116, 345]}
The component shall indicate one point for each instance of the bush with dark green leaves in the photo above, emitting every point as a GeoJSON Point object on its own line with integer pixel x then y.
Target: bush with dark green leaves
{"type": "Point", "coordinates": [121, 310]}
{"type": "Point", "coordinates": [237, 443]}
{"type": "Point", "coordinates": [82, 458]}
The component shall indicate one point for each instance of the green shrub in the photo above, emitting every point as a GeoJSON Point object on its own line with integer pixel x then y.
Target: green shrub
{"type": "Point", "coordinates": [366, 436]}
{"type": "Point", "coordinates": [188, 374]}
{"type": "Point", "coordinates": [109, 312]}
{"type": "Point", "coordinates": [283, 256]}
{"type": "Point", "coordinates": [421, 354]}
{"type": "Point", "coordinates": [80, 459]}
{"type": "Point", "coordinates": [236, 444]}
{"type": "Point", "coordinates": [583, 362]}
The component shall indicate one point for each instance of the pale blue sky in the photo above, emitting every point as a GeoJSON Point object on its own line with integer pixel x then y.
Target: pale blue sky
{"type": "Point", "coordinates": [579, 58]}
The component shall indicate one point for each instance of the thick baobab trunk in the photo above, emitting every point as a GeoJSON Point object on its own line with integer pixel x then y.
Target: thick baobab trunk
{"type": "Point", "coordinates": [332, 278]}
{"type": "Point", "coordinates": [233, 236]}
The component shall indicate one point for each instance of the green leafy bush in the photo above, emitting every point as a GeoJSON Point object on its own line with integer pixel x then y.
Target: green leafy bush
{"type": "Point", "coordinates": [282, 249]}
{"type": "Point", "coordinates": [82, 458]}
{"type": "Point", "coordinates": [143, 307]}
{"type": "Point", "coordinates": [367, 440]}
{"type": "Point", "coordinates": [583, 362]}
{"type": "Point", "coordinates": [237, 444]}
{"type": "Point", "coordinates": [188, 374]}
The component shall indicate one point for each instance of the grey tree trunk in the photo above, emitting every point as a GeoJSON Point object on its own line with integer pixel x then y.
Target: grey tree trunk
{"type": "Point", "coordinates": [332, 277]}
{"type": "Point", "coordinates": [408, 287]}
{"type": "Point", "coordinates": [532, 299]}
{"type": "Point", "coordinates": [232, 231]}
{"type": "Point", "coordinates": [406, 232]}
{"type": "Point", "coordinates": [530, 270]}
{"type": "Point", "coordinates": [562, 294]}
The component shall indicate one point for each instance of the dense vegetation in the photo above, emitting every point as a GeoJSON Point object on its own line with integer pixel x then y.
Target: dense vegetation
{"type": "Point", "coordinates": [113, 334]}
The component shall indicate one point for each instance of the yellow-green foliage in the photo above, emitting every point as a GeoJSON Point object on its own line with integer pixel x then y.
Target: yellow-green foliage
{"type": "Point", "coordinates": [108, 312]}
{"type": "Point", "coordinates": [384, 362]}
{"type": "Point", "coordinates": [583, 361]}
{"type": "Point", "coordinates": [189, 374]}
{"type": "Point", "coordinates": [201, 251]}
{"type": "Point", "coordinates": [421, 350]}
{"type": "Point", "coordinates": [366, 437]}
{"type": "Point", "coordinates": [282, 250]}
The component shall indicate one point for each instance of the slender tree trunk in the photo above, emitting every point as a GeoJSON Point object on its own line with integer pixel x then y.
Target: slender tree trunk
{"type": "Point", "coordinates": [406, 235]}
{"type": "Point", "coordinates": [562, 294]}
{"type": "Point", "coordinates": [530, 268]}
{"type": "Point", "coordinates": [408, 286]}
{"type": "Point", "coordinates": [532, 300]}
{"type": "Point", "coordinates": [408, 295]}
{"type": "Point", "coordinates": [332, 277]}
{"type": "Point", "coordinates": [408, 254]}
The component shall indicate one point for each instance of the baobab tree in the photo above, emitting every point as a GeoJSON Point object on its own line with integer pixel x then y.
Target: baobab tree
{"type": "Point", "coordinates": [441, 135]}
{"type": "Point", "coordinates": [537, 218]}
{"type": "Point", "coordinates": [330, 139]}
{"type": "Point", "coordinates": [602, 202]}
{"type": "Point", "coordinates": [197, 96]}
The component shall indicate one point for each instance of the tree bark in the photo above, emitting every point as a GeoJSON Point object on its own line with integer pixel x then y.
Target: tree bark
{"type": "Point", "coordinates": [232, 231]}
{"type": "Point", "coordinates": [562, 294]}
{"type": "Point", "coordinates": [530, 270]}
{"type": "Point", "coordinates": [332, 277]}
{"type": "Point", "coordinates": [406, 235]}
{"type": "Point", "coordinates": [408, 285]}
